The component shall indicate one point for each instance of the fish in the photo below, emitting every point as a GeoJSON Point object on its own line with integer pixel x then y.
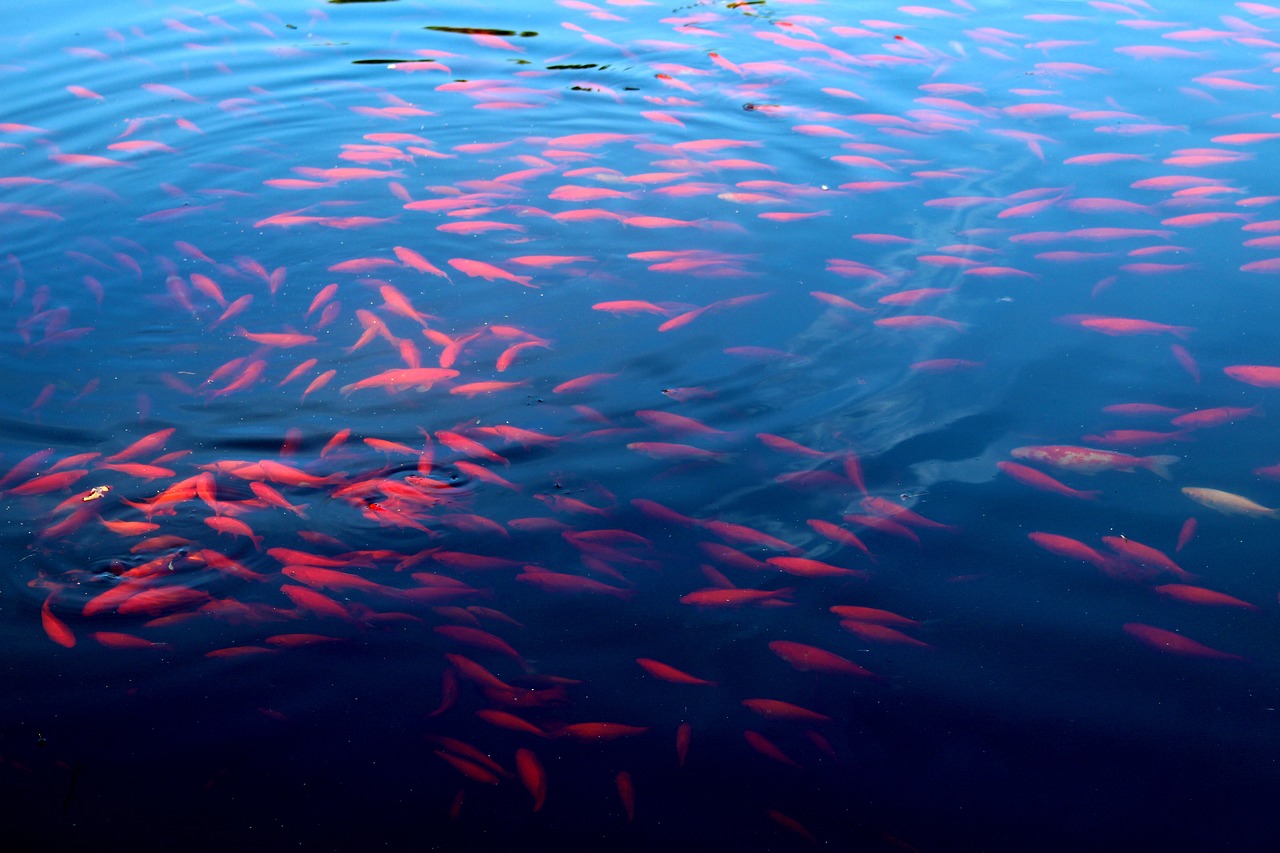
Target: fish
{"type": "Point", "coordinates": [669, 673]}
{"type": "Point", "coordinates": [1228, 503]}
{"type": "Point", "coordinates": [54, 627]}
{"type": "Point", "coordinates": [422, 378]}
{"type": "Point", "coordinates": [1065, 546]}
{"type": "Point", "coordinates": [1259, 375]}
{"type": "Point", "coordinates": [1039, 480]}
{"type": "Point", "coordinates": [532, 776]}
{"type": "Point", "coordinates": [1174, 643]}
{"type": "Point", "coordinates": [1088, 460]}
{"type": "Point", "coordinates": [489, 272]}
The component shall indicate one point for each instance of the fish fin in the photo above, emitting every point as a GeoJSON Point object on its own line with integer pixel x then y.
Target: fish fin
{"type": "Point", "coordinates": [1159, 465]}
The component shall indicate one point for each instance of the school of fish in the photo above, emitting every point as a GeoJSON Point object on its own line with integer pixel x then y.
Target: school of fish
{"type": "Point", "coordinates": [439, 343]}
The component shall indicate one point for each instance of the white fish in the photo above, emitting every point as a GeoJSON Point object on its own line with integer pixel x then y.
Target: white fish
{"type": "Point", "coordinates": [1228, 503]}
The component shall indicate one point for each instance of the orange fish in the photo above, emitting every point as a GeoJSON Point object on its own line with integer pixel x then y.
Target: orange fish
{"type": "Point", "coordinates": [55, 627]}
{"type": "Point", "coordinates": [128, 528]}
{"type": "Point", "coordinates": [234, 527]}
{"type": "Point", "coordinates": [276, 339]}
{"type": "Point", "coordinates": [398, 303]}
{"type": "Point", "coordinates": [145, 445]}
{"type": "Point", "coordinates": [836, 533]}
{"type": "Point", "coordinates": [154, 601]}
{"type": "Point", "coordinates": [415, 261]}
{"type": "Point", "coordinates": [571, 584]}
{"type": "Point", "coordinates": [422, 378]}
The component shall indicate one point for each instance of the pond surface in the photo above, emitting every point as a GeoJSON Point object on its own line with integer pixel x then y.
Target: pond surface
{"type": "Point", "coordinates": [562, 425]}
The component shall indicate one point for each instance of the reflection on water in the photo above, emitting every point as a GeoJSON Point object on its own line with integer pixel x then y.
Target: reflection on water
{"type": "Point", "coordinates": [765, 424]}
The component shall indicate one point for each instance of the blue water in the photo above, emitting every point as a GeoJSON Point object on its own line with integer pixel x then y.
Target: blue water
{"type": "Point", "coordinates": [704, 229]}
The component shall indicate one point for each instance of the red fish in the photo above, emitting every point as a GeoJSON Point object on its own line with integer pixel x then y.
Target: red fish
{"type": "Point", "coordinates": [889, 509]}
{"type": "Point", "coordinates": [748, 535]}
{"type": "Point", "coordinates": [154, 601]}
{"type": "Point", "coordinates": [669, 673]}
{"type": "Point", "coordinates": [581, 383]}
{"type": "Point", "coordinates": [140, 471]}
{"type": "Point", "coordinates": [45, 483]}
{"type": "Point", "coordinates": [786, 445]}
{"type": "Point", "coordinates": [718, 597]}
{"type": "Point", "coordinates": [1168, 641]}
{"type": "Point", "coordinates": [768, 748]}
{"type": "Point", "coordinates": [684, 734]}
{"type": "Point", "coordinates": [572, 584]}
{"type": "Point", "coordinates": [805, 567]}
{"type": "Point", "coordinates": [813, 659]}
{"type": "Point", "coordinates": [1065, 546]}
{"type": "Point", "coordinates": [54, 627]}
{"type": "Point", "coordinates": [908, 321]}
{"type": "Point", "coordinates": [595, 732]}
{"type": "Point", "coordinates": [627, 793]}
{"type": "Point", "coordinates": [532, 776]}
{"type": "Point", "coordinates": [1200, 595]}
{"type": "Point", "coordinates": [1212, 417]}
{"type": "Point", "coordinates": [1039, 480]}
{"type": "Point", "coordinates": [1125, 326]}
{"type": "Point", "coordinates": [872, 616]}
{"type": "Point", "coordinates": [668, 450]}
{"type": "Point", "coordinates": [1145, 555]}
{"type": "Point", "coordinates": [277, 339]}
{"type": "Point", "coordinates": [775, 709]}
{"type": "Point", "coordinates": [1262, 376]}
{"type": "Point", "coordinates": [422, 378]}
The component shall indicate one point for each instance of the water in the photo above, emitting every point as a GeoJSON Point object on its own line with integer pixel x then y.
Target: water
{"type": "Point", "coordinates": [684, 291]}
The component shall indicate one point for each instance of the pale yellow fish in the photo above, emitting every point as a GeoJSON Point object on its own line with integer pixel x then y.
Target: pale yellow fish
{"type": "Point", "coordinates": [1228, 503]}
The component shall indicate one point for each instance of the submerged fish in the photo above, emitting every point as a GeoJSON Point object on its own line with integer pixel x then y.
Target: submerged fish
{"type": "Point", "coordinates": [1088, 460]}
{"type": "Point", "coordinates": [1228, 502]}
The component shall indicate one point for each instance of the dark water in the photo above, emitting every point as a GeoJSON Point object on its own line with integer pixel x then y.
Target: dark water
{"type": "Point", "coordinates": [674, 291]}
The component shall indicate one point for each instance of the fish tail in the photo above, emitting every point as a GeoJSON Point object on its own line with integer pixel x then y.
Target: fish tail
{"type": "Point", "coordinates": [1159, 465]}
